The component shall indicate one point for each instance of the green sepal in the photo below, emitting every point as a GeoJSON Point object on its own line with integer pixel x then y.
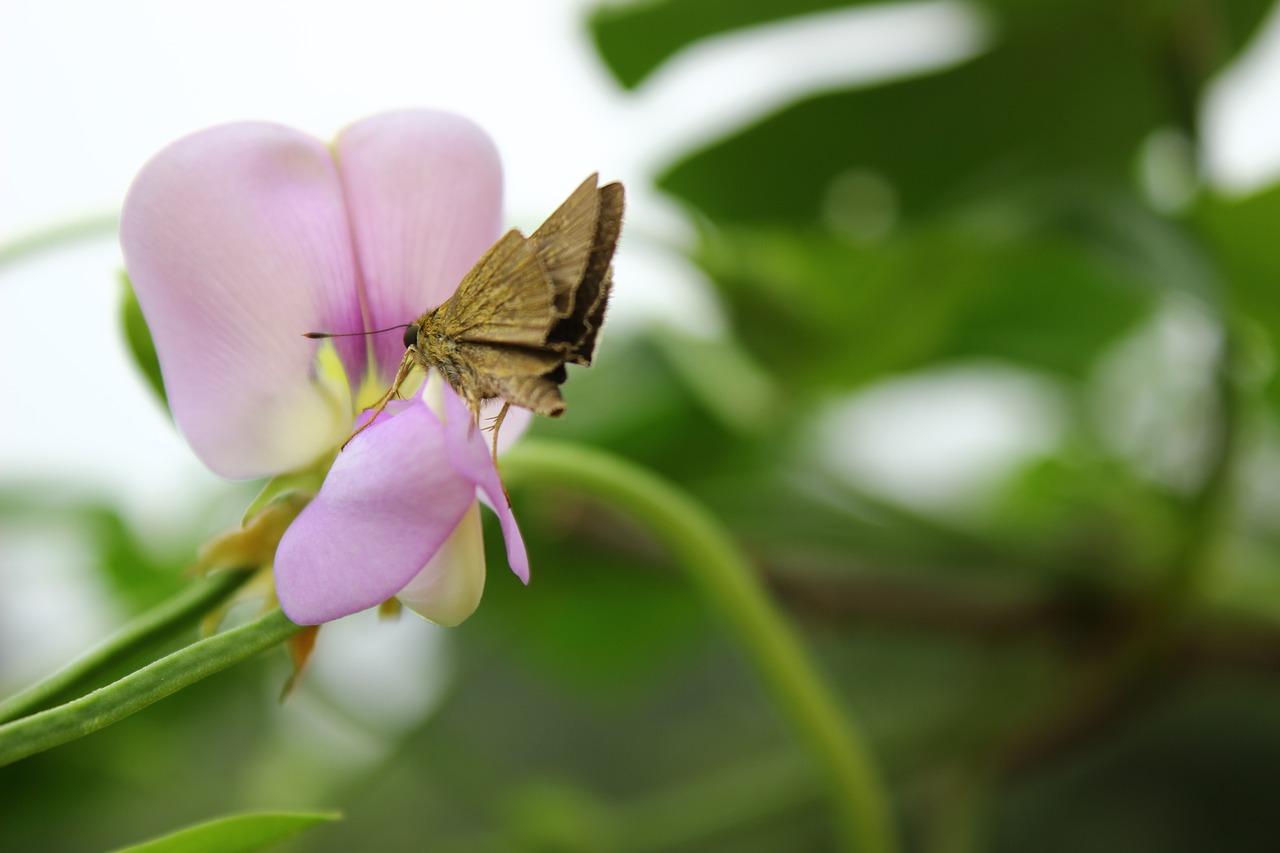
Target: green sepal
{"type": "Point", "coordinates": [282, 486]}
{"type": "Point", "coordinates": [138, 336]}
{"type": "Point", "coordinates": [234, 833]}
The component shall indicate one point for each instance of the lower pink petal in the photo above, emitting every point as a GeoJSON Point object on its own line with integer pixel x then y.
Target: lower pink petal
{"type": "Point", "coordinates": [468, 449]}
{"type": "Point", "coordinates": [390, 501]}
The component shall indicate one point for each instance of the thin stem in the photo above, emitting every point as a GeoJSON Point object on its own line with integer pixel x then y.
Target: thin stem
{"type": "Point", "coordinates": [695, 811]}
{"type": "Point", "coordinates": [136, 691]}
{"type": "Point", "coordinates": [719, 569]}
{"type": "Point", "coordinates": [692, 812]}
{"type": "Point", "coordinates": [73, 231]}
{"type": "Point", "coordinates": [161, 623]}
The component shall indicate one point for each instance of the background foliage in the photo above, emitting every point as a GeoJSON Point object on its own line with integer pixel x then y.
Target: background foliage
{"type": "Point", "coordinates": [1081, 655]}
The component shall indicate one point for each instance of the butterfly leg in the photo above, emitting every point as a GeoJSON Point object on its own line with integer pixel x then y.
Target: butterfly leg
{"type": "Point", "coordinates": [497, 424]}
{"type": "Point", "coordinates": [405, 366]}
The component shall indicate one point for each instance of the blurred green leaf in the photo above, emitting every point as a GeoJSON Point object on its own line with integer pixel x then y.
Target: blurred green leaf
{"type": "Point", "coordinates": [823, 313]}
{"type": "Point", "coordinates": [1242, 234]}
{"type": "Point", "coordinates": [234, 834]}
{"type": "Point", "coordinates": [135, 570]}
{"type": "Point", "coordinates": [1090, 516]}
{"type": "Point", "coordinates": [636, 38]}
{"type": "Point", "coordinates": [138, 336]}
{"type": "Point", "coordinates": [1036, 106]}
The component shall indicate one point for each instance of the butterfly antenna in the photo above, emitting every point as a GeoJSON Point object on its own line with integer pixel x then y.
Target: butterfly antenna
{"type": "Point", "coordinates": [317, 335]}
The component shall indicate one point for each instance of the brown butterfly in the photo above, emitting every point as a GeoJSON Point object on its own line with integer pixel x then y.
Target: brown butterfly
{"type": "Point", "coordinates": [529, 307]}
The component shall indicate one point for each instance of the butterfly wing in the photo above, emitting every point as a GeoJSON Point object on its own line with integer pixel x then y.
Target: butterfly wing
{"type": "Point", "coordinates": [576, 331]}
{"type": "Point", "coordinates": [520, 375]}
{"type": "Point", "coordinates": [565, 240]}
{"type": "Point", "coordinates": [528, 306]}
{"type": "Point", "coordinates": [506, 299]}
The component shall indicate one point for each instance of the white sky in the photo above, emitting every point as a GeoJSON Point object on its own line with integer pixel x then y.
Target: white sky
{"type": "Point", "coordinates": [90, 89]}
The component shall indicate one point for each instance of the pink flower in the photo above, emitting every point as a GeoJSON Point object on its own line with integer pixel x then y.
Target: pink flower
{"type": "Point", "coordinates": [239, 239]}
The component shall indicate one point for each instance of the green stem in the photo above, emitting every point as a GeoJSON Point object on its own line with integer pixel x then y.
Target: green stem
{"type": "Point", "coordinates": [1210, 506]}
{"type": "Point", "coordinates": [21, 248]}
{"type": "Point", "coordinates": [156, 625]}
{"type": "Point", "coordinates": [136, 691]}
{"type": "Point", "coordinates": [719, 569]}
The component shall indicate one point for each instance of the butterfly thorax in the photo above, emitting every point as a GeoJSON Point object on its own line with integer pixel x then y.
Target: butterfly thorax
{"type": "Point", "coordinates": [435, 348]}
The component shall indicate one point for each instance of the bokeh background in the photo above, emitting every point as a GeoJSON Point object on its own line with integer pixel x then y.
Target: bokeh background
{"type": "Point", "coordinates": [961, 316]}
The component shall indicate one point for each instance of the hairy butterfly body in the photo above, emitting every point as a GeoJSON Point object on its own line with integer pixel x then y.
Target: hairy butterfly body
{"type": "Point", "coordinates": [529, 307]}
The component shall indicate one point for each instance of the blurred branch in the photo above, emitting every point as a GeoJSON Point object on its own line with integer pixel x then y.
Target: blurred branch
{"type": "Point", "coordinates": [155, 626]}
{"type": "Point", "coordinates": [981, 613]}
{"type": "Point", "coordinates": [1233, 646]}
{"type": "Point", "coordinates": [29, 245]}
{"type": "Point", "coordinates": [1100, 696]}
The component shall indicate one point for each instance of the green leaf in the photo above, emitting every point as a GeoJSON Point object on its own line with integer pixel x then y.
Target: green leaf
{"type": "Point", "coordinates": [635, 39]}
{"type": "Point", "coordinates": [1239, 22]}
{"type": "Point", "coordinates": [281, 486]}
{"type": "Point", "coordinates": [1242, 234]}
{"type": "Point", "coordinates": [234, 834]}
{"type": "Point", "coordinates": [138, 336]}
{"type": "Point", "coordinates": [1034, 108]}
{"type": "Point", "coordinates": [826, 314]}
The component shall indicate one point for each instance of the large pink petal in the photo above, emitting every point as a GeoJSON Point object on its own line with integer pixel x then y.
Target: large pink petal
{"type": "Point", "coordinates": [389, 502]}
{"type": "Point", "coordinates": [468, 448]}
{"type": "Point", "coordinates": [425, 193]}
{"type": "Point", "coordinates": [236, 241]}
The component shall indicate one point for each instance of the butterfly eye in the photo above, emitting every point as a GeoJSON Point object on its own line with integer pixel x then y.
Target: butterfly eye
{"type": "Point", "coordinates": [410, 335]}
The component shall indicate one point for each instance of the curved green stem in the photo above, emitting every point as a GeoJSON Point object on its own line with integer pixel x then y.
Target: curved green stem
{"type": "Point", "coordinates": [719, 569]}
{"type": "Point", "coordinates": [136, 691]}
{"type": "Point", "coordinates": [690, 813]}
{"type": "Point", "coordinates": [162, 622]}
{"type": "Point", "coordinates": [73, 231]}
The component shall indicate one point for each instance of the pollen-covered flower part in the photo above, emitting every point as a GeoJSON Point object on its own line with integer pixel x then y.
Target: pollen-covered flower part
{"type": "Point", "coordinates": [241, 238]}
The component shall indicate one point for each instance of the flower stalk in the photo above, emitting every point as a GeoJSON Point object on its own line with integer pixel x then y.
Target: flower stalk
{"type": "Point", "coordinates": [110, 704]}
{"type": "Point", "coordinates": [161, 623]}
{"type": "Point", "coordinates": [719, 569]}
